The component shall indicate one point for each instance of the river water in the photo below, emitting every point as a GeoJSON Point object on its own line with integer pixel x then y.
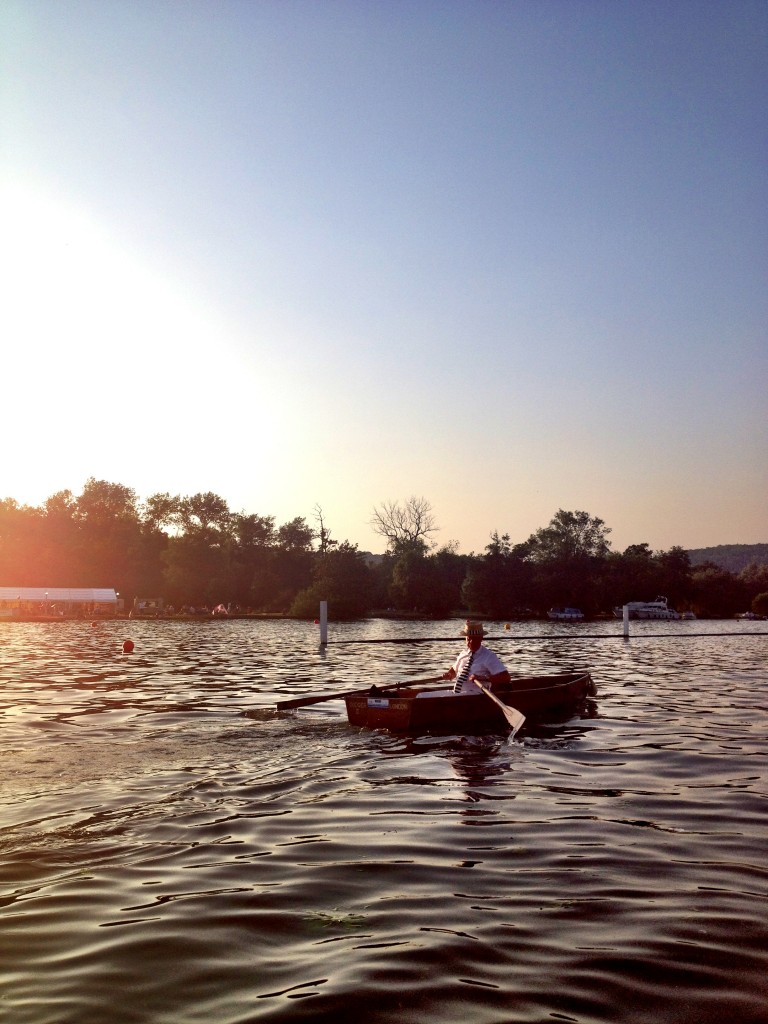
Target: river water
{"type": "Point", "coordinates": [175, 851]}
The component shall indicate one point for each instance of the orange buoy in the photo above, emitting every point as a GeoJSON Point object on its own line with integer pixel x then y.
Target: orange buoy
{"type": "Point", "coordinates": [128, 647]}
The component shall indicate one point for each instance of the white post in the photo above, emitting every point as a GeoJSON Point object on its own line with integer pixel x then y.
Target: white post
{"type": "Point", "coordinates": [324, 623]}
{"type": "Point", "coordinates": [626, 622]}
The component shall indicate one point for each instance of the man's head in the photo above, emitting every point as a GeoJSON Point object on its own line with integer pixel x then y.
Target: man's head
{"type": "Point", "coordinates": [474, 632]}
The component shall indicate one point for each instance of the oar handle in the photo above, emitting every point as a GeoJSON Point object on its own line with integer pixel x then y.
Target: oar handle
{"type": "Point", "coordinates": [302, 702]}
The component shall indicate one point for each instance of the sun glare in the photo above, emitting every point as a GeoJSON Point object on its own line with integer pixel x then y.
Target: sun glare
{"type": "Point", "coordinates": [110, 364]}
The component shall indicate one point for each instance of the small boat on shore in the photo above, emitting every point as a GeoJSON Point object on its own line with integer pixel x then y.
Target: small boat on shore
{"type": "Point", "coordinates": [417, 709]}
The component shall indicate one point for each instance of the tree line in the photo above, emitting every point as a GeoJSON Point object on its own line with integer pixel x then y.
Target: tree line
{"type": "Point", "coordinates": [733, 557]}
{"type": "Point", "coordinates": [194, 551]}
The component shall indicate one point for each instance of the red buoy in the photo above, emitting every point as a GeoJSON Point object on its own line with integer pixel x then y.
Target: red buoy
{"type": "Point", "coordinates": [128, 647]}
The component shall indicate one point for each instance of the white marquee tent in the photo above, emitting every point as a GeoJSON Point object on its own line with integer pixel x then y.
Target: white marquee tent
{"type": "Point", "coordinates": [65, 599]}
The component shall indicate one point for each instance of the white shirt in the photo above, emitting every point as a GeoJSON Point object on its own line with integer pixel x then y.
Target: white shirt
{"type": "Point", "coordinates": [484, 665]}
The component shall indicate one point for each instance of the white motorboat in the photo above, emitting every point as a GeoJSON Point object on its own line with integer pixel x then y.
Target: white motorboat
{"type": "Point", "coordinates": [565, 614]}
{"type": "Point", "coordinates": [658, 609]}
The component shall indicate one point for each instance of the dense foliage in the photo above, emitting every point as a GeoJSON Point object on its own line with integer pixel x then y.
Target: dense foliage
{"type": "Point", "coordinates": [194, 552]}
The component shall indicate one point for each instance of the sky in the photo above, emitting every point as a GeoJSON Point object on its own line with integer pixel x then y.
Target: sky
{"type": "Point", "coordinates": [508, 257]}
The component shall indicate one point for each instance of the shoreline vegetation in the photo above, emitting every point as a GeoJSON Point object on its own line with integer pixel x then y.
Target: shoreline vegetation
{"type": "Point", "coordinates": [173, 555]}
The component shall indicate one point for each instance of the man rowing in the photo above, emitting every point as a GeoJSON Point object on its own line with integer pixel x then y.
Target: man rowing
{"type": "Point", "coordinates": [475, 662]}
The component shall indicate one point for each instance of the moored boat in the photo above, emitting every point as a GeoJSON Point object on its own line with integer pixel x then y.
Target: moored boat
{"type": "Point", "coordinates": [658, 609]}
{"type": "Point", "coordinates": [418, 710]}
{"type": "Point", "coordinates": [565, 614]}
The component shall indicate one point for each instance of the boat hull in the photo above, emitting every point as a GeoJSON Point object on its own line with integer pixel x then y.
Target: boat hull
{"type": "Point", "coordinates": [406, 712]}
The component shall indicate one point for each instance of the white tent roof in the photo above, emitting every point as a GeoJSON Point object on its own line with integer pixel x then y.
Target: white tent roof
{"type": "Point", "coordinates": [85, 595]}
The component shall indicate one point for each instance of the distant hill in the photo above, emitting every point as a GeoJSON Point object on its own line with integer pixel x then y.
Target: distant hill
{"type": "Point", "coordinates": [733, 557]}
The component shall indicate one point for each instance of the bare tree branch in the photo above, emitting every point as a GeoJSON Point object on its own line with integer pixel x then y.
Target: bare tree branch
{"type": "Point", "coordinates": [405, 526]}
{"type": "Point", "coordinates": [323, 534]}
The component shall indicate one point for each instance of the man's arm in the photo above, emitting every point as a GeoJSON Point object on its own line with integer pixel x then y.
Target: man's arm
{"type": "Point", "coordinates": [500, 679]}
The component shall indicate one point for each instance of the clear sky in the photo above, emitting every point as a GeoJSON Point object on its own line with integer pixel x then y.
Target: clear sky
{"type": "Point", "coordinates": [506, 256]}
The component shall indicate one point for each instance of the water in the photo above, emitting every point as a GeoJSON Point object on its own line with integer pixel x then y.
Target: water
{"type": "Point", "coordinates": [174, 851]}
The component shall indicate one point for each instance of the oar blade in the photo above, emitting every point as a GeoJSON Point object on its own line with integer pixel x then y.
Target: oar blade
{"type": "Point", "coordinates": [515, 718]}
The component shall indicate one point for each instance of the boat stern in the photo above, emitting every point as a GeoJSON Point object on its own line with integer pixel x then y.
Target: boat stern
{"type": "Point", "coordinates": [379, 712]}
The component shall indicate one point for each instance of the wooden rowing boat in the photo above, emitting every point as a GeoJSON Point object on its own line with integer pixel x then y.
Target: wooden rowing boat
{"type": "Point", "coordinates": [407, 712]}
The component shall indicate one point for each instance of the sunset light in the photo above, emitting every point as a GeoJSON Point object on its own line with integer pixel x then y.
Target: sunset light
{"type": "Point", "coordinates": [298, 254]}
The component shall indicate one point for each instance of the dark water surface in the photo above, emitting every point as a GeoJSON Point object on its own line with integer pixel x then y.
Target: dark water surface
{"type": "Point", "coordinates": [173, 850]}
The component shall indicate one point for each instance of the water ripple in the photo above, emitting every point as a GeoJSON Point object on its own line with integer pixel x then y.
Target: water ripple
{"type": "Point", "coordinates": [155, 810]}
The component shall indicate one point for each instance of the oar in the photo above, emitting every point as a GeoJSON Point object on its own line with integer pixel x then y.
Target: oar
{"type": "Point", "coordinates": [514, 717]}
{"type": "Point", "coordinates": [300, 702]}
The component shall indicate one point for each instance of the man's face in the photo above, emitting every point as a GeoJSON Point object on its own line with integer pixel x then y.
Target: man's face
{"type": "Point", "coordinates": [473, 642]}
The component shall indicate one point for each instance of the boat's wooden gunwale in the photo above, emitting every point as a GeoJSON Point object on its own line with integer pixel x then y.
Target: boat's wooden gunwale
{"type": "Point", "coordinates": [530, 695]}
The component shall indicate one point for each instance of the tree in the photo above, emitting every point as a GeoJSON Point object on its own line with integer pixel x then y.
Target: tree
{"type": "Point", "coordinates": [110, 535]}
{"type": "Point", "coordinates": [24, 559]}
{"type": "Point", "coordinates": [450, 569]}
{"type": "Point", "coordinates": [755, 580]}
{"type": "Point", "coordinates": [161, 510]}
{"type": "Point", "coordinates": [717, 592]}
{"type": "Point", "coordinates": [102, 502]}
{"type": "Point", "coordinates": [406, 526]}
{"type": "Point", "coordinates": [569, 536]}
{"type": "Point", "coordinates": [674, 575]}
{"type": "Point", "coordinates": [295, 536]}
{"type": "Point", "coordinates": [412, 580]}
{"type": "Point", "coordinates": [343, 579]}
{"type": "Point", "coordinates": [196, 570]}
{"type": "Point", "coordinates": [56, 555]}
{"type": "Point", "coordinates": [570, 556]}
{"type": "Point", "coordinates": [198, 562]}
{"type": "Point", "coordinates": [253, 575]}
{"type": "Point", "coordinates": [498, 585]}
{"type": "Point", "coordinates": [629, 576]}
{"type": "Point", "coordinates": [323, 535]}
{"type": "Point", "coordinates": [292, 562]}
{"type": "Point", "coordinates": [204, 512]}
